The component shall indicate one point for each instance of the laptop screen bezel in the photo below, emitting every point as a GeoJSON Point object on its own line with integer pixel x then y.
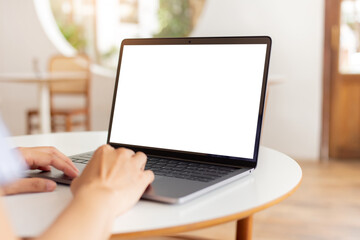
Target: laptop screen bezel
{"type": "Point", "coordinates": [200, 157]}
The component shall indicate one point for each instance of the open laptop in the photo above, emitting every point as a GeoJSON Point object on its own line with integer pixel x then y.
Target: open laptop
{"type": "Point", "coordinates": [194, 106]}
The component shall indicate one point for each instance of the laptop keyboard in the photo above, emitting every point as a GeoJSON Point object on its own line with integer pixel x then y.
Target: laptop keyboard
{"type": "Point", "coordinates": [172, 168]}
{"type": "Point", "coordinates": [187, 170]}
{"type": "Point", "coordinates": [82, 158]}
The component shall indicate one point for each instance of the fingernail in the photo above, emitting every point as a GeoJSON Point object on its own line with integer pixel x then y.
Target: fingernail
{"type": "Point", "coordinates": [74, 175]}
{"type": "Point", "coordinates": [50, 186]}
{"type": "Point", "coordinates": [75, 168]}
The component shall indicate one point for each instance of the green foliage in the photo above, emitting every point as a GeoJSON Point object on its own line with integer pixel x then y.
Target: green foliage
{"type": "Point", "coordinates": [74, 35]}
{"type": "Point", "coordinates": [174, 18]}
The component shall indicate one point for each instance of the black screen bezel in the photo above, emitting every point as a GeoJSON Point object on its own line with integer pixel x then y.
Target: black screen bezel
{"type": "Point", "coordinates": [201, 157]}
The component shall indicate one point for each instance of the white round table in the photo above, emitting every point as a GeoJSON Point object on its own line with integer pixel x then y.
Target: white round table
{"type": "Point", "coordinates": [276, 177]}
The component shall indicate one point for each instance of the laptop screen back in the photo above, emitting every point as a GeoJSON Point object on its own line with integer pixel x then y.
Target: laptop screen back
{"type": "Point", "coordinates": [196, 98]}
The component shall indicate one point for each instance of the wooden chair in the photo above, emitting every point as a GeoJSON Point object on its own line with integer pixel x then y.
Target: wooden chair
{"type": "Point", "coordinates": [64, 118]}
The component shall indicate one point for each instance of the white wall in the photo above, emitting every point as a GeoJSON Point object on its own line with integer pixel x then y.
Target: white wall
{"type": "Point", "coordinates": [293, 118]}
{"type": "Point", "coordinates": [292, 123]}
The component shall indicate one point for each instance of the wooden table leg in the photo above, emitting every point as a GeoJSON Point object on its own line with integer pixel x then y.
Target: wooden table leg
{"type": "Point", "coordinates": [244, 228]}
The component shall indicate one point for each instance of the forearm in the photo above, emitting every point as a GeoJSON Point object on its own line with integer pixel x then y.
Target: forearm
{"type": "Point", "coordinates": [86, 217]}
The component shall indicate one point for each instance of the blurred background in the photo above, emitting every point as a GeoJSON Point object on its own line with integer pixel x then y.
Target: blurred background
{"type": "Point", "coordinates": [313, 105]}
{"type": "Point", "coordinates": [34, 31]}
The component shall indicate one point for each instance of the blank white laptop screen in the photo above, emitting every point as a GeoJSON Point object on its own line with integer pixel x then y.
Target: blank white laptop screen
{"type": "Point", "coordinates": [193, 98]}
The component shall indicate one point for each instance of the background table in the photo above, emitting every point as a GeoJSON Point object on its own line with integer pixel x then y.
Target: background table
{"type": "Point", "coordinates": [275, 178]}
{"type": "Point", "coordinates": [43, 80]}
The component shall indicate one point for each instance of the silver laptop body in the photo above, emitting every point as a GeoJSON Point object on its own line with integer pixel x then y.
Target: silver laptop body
{"type": "Point", "coordinates": [194, 106]}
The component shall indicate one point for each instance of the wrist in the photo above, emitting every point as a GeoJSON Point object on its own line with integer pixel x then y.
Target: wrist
{"type": "Point", "coordinates": [98, 196]}
{"type": "Point", "coordinates": [92, 209]}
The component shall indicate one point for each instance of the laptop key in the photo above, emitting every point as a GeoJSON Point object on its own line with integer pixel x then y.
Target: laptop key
{"type": "Point", "coordinates": [187, 170]}
{"type": "Point", "coordinates": [82, 158]}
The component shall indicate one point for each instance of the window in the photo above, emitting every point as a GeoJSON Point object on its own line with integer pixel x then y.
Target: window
{"type": "Point", "coordinates": [97, 27]}
{"type": "Point", "coordinates": [349, 54]}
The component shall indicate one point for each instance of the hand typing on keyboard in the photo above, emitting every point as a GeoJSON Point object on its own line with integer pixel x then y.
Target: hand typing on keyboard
{"type": "Point", "coordinates": [111, 183]}
{"type": "Point", "coordinates": [118, 173]}
{"type": "Point", "coordinates": [40, 158]}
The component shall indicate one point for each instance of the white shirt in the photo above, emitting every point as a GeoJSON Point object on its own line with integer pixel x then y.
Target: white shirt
{"type": "Point", "coordinates": [12, 165]}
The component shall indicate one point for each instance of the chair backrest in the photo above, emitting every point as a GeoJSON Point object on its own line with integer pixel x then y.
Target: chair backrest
{"type": "Point", "coordinates": [78, 65]}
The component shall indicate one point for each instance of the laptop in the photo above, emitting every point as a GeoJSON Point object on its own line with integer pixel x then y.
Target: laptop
{"type": "Point", "coordinates": [194, 106]}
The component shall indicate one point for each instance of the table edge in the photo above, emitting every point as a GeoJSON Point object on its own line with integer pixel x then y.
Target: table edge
{"type": "Point", "coordinates": [189, 226]}
{"type": "Point", "coordinates": [206, 223]}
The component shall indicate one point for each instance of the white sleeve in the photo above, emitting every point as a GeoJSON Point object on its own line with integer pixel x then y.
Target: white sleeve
{"type": "Point", "coordinates": [12, 165]}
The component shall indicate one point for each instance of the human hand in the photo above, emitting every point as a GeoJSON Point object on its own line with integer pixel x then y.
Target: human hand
{"type": "Point", "coordinates": [41, 158]}
{"type": "Point", "coordinates": [44, 157]}
{"type": "Point", "coordinates": [29, 185]}
{"type": "Point", "coordinates": [116, 172]}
